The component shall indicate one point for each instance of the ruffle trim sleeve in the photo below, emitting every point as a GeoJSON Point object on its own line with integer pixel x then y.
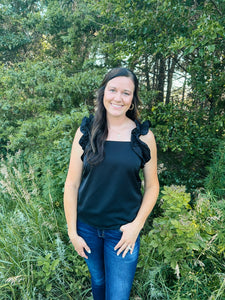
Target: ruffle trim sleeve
{"type": "Point", "coordinates": [85, 128]}
{"type": "Point", "coordinates": [138, 146]}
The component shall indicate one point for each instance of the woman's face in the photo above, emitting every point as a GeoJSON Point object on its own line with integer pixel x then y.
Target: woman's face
{"type": "Point", "coordinates": [118, 96]}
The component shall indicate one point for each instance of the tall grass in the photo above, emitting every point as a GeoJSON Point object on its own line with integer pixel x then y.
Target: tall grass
{"type": "Point", "coordinates": [36, 259]}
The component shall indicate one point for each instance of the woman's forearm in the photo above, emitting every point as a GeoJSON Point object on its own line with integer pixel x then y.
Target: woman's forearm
{"type": "Point", "coordinates": [148, 203]}
{"type": "Point", "coordinates": [70, 207]}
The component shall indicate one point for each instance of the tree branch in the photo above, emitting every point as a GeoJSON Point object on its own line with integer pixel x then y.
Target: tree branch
{"type": "Point", "coordinates": [216, 7]}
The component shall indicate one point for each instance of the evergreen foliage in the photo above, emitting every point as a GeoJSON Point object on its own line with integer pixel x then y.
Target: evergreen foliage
{"type": "Point", "coordinates": [215, 181]}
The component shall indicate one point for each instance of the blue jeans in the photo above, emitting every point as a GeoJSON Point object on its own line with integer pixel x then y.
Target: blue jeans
{"type": "Point", "coordinates": [111, 275]}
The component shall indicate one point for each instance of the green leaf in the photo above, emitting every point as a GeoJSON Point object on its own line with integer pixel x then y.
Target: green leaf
{"type": "Point", "coordinates": [55, 263]}
{"type": "Point", "coordinates": [49, 287]}
{"type": "Point", "coordinates": [211, 48]}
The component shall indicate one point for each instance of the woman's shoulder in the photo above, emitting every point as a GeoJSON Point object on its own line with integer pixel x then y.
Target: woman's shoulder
{"type": "Point", "coordinates": [143, 129]}
{"type": "Point", "coordinates": [148, 138]}
{"type": "Point", "coordinates": [146, 135]}
{"type": "Point", "coordinates": [141, 140]}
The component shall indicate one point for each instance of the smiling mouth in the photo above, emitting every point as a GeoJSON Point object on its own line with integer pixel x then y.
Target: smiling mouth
{"type": "Point", "coordinates": [116, 106]}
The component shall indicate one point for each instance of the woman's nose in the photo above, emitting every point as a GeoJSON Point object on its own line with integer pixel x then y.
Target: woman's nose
{"type": "Point", "coordinates": [118, 96]}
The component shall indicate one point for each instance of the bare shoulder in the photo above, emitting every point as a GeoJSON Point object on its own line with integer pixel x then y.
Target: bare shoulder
{"type": "Point", "coordinates": [78, 135]}
{"type": "Point", "coordinates": [76, 164]}
{"type": "Point", "coordinates": [78, 132]}
{"type": "Point", "coordinates": [76, 146]}
{"type": "Point", "coordinates": [149, 139]}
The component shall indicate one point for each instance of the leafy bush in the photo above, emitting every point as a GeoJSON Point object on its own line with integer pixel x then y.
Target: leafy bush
{"type": "Point", "coordinates": [46, 145]}
{"type": "Point", "coordinates": [186, 142]}
{"type": "Point", "coordinates": [181, 257]}
{"type": "Point", "coordinates": [35, 95]}
{"type": "Point", "coordinates": [215, 181]}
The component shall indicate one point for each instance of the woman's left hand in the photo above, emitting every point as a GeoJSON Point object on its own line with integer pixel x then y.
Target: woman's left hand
{"type": "Point", "coordinates": [128, 239]}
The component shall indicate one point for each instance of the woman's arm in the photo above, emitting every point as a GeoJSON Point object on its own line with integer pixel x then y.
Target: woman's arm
{"type": "Point", "coordinates": [151, 191]}
{"type": "Point", "coordinates": [70, 195]}
{"type": "Point", "coordinates": [151, 183]}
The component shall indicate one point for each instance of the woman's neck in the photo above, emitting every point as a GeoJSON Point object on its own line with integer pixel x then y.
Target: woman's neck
{"type": "Point", "coordinates": [120, 128]}
{"type": "Point", "coordinates": [118, 122]}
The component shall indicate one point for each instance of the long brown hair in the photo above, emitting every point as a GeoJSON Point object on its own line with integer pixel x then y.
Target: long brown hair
{"type": "Point", "coordinates": [99, 132]}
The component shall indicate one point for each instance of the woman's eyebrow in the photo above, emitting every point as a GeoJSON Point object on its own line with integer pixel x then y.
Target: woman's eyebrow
{"type": "Point", "coordinates": [111, 86]}
{"type": "Point", "coordinates": [125, 90]}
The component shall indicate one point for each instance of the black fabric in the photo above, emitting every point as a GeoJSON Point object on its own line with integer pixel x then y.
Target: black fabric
{"type": "Point", "coordinates": [110, 193]}
{"type": "Point", "coordinates": [141, 149]}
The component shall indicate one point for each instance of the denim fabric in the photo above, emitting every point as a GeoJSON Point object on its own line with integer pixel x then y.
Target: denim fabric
{"type": "Point", "coordinates": [111, 275]}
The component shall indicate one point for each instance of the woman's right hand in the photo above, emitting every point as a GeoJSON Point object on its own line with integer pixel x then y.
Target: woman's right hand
{"type": "Point", "coordinates": [80, 246]}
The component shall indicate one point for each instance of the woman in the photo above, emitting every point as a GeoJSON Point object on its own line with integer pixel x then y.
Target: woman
{"type": "Point", "coordinates": [104, 207]}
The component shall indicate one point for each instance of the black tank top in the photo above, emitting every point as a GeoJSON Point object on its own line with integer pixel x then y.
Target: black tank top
{"type": "Point", "coordinates": [110, 192]}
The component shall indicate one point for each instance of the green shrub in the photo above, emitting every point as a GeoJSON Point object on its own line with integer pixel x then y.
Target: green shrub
{"type": "Point", "coordinates": [186, 142]}
{"type": "Point", "coordinates": [181, 257]}
{"type": "Point", "coordinates": [215, 181]}
{"type": "Point", "coordinates": [34, 95]}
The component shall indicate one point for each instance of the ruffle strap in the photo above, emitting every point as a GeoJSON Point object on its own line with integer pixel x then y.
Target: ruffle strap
{"type": "Point", "coordinates": [85, 128]}
{"type": "Point", "coordinates": [138, 146]}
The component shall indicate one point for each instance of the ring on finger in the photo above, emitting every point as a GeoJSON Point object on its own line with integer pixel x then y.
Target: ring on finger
{"type": "Point", "coordinates": [129, 248]}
